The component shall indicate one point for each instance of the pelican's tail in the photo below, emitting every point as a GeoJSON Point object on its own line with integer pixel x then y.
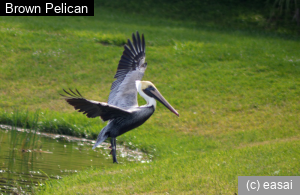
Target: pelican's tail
{"type": "Point", "coordinates": [101, 137]}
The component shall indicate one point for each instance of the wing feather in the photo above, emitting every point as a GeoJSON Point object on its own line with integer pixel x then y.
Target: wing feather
{"type": "Point", "coordinates": [128, 53]}
{"type": "Point", "coordinates": [135, 43]}
{"type": "Point", "coordinates": [125, 59]}
{"type": "Point", "coordinates": [132, 47]}
{"type": "Point", "coordinates": [143, 43]}
{"type": "Point", "coordinates": [138, 41]}
{"type": "Point", "coordinates": [92, 108]}
{"type": "Point", "coordinates": [131, 67]}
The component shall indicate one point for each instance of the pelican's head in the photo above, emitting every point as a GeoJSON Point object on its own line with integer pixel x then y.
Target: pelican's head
{"type": "Point", "coordinates": [149, 92]}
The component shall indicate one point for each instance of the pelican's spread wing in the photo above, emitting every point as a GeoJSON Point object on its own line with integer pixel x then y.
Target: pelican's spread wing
{"type": "Point", "coordinates": [92, 108]}
{"type": "Point", "coordinates": [131, 68]}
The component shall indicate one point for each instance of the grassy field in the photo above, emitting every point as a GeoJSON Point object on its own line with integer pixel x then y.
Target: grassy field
{"type": "Point", "coordinates": [237, 92]}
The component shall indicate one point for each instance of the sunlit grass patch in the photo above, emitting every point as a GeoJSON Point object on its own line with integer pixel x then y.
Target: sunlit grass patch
{"type": "Point", "coordinates": [216, 172]}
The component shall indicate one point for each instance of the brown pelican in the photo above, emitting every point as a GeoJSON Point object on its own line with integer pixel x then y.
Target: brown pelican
{"type": "Point", "coordinates": [122, 111]}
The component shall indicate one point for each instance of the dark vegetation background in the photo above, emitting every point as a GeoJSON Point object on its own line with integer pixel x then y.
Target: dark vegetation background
{"type": "Point", "coordinates": [281, 16]}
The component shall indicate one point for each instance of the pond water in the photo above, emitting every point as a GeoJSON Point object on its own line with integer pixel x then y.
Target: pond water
{"type": "Point", "coordinates": [28, 159]}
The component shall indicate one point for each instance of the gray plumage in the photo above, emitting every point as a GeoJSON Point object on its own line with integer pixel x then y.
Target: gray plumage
{"type": "Point", "coordinates": [130, 69]}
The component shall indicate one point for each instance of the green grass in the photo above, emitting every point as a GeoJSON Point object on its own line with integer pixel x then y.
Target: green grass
{"type": "Point", "coordinates": [237, 92]}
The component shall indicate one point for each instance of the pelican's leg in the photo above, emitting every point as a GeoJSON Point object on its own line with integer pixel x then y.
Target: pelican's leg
{"type": "Point", "coordinates": [114, 149]}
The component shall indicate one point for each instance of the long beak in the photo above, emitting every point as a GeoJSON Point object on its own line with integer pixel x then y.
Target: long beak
{"type": "Point", "coordinates": [162, 100]}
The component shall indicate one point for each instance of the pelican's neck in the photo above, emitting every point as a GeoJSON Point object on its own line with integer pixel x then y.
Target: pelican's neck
{"type": "Point", "coordinates": [150, 101]}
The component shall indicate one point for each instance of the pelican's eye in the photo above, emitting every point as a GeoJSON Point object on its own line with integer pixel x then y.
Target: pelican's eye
{"type": "Point", "coordinates": [149, 90]}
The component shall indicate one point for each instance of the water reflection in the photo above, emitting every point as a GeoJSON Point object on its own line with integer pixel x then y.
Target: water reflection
{"type": "Point", "coordinates": [25, 163]}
